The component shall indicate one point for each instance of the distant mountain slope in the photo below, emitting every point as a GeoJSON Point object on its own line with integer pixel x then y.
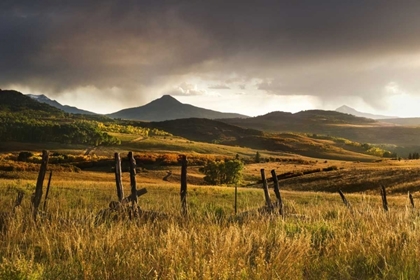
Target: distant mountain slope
{"type": "Point", "coordinates": [14, 101]}
{"type": "Point", "coordinates": [348, 110]}
{"type": "Point", "coordinates": [68, 109]}
{"type": "Point", "coordinates": [168, 108]}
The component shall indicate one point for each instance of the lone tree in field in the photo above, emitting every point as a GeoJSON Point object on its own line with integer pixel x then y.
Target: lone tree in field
{"type": "Point", "coordinates": [223, 172]}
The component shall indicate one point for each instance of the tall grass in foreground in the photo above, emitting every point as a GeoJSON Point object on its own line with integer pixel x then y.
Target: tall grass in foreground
{"type": "Point", "coordinates": [319, 239]}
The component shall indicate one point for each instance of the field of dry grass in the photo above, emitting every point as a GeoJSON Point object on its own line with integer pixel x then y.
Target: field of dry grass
{"type": "Point", "coordinates": [319, 238]}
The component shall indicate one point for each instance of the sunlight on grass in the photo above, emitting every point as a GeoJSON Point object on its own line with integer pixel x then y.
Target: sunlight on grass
{"type": "Point", "coordinates": [319, 238]}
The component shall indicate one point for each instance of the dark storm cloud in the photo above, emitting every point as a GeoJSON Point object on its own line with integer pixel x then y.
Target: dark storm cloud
{"type": "Point", "coordinates": [321, 48]}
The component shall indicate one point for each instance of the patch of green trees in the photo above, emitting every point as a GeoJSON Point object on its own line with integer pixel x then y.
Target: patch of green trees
{"type": "Point", "coordinates": [223, 172]}
{"type": "Point", "coordinates": [21, 128]}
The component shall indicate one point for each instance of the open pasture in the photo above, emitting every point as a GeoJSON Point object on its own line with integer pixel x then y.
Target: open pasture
{"type": "Point", "coordinates": [318, 238]}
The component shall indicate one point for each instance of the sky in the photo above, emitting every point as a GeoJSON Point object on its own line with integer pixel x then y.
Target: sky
{"type": "Point", "coordinates": [249, 57]}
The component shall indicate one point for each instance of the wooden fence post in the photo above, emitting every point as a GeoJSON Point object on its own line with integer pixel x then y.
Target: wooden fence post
{"type": "Point", "coordinates": [277, 192]}
{"type": "Point", "coordinates": [48, 191]}
{"type": "Point", "coordinates": [411, 199]}
{"type": "Point", "coordinates": [133, 183]}
{"type": "Point", "coordinates": [118, 181]}
{"type": "Point", "coordinates": [266, 193]}
{"type": "Point", "coordinates": [36, 200]}
{"type": "Point", "coordinates": [345, 201]}
{"type": "Point", "coordinates": [183, 192]}
{"type": "Point", "coordinates": [384, 200]}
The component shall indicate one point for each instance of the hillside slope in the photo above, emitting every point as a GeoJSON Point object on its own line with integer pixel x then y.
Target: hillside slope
{"type": "Point", "coordinates": [213, 131]}
{"type": "Point", "coordinates": [13, 101]}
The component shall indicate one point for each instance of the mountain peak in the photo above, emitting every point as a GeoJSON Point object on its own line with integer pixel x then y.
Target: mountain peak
{"type": "Point", "coordinates": [344, 107]}
{"type": "Point", "coordinates": [168, 99]}
{"type": "Point", "coordinates": [169, 108]}
{"type": "Point", "coordinates": [348, 110]}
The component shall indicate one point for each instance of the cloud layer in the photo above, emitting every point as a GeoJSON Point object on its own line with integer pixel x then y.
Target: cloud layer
{"type": "Point", "coordinates": [142, 49]}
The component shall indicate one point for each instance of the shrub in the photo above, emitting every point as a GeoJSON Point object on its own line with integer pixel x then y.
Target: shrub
{"type": "Point", "coordinates": [23, 156]}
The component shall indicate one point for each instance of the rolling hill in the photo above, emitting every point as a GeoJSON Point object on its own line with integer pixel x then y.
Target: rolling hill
{"type": "Point", "coordinates": [168, 108]}
{"type": "Point", "coordinates": [214, 131]}
{"type": "Point", "coordinates": [397, 138]}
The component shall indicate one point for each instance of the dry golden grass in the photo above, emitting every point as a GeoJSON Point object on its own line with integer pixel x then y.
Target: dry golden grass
{"type": "Point", "coordinates": [319, 238]}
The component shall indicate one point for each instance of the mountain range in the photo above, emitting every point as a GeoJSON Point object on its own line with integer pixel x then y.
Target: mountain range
{"type": "Point", "coordinates": [68, 109]}
{"type": "Point", "coordinates": [256, 132]}
{"type": "Point", "coordinates": [168, 108]}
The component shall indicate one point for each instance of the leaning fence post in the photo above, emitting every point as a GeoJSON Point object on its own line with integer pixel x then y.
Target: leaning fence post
{"type": "Point", "coordinates": [184, 185]}
{"type": "Point", "coordinates": [120, 192]}
{"type": "Point", "coordinates": [133, 183]}
{"type": "Point", "coordinates": [266, 193]}
{"type": "Point", "coordinates": [277, 192]}
{"type": "Point", "coordinates": [345, 201]}
{"type": "Point", "coordinates": [410, 196]}
{"type": "Point", "coordinates": [384, 200]}
{"type": "Point", "coordinates": [36, 200]}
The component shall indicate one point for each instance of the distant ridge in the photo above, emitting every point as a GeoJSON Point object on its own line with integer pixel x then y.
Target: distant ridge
{"type": "Point", "coordinates": [14, 101]}
{"type": "Point", "coordinates": [348, 110]}
{"type": "Point", "coordinates": [68, 109]}
{"type": "Point", "coordinates": [168, 108]}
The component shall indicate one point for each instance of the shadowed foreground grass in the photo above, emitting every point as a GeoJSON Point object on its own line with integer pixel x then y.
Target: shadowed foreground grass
{"type": "Point", "coordinates": [318, 239]}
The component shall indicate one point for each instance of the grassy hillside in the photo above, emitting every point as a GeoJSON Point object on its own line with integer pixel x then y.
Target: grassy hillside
{"type": "Point", "coordinates": [308, 145]}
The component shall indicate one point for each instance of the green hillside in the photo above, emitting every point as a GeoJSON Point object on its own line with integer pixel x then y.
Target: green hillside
{"type": "Point", "coordinates": [23, 119]}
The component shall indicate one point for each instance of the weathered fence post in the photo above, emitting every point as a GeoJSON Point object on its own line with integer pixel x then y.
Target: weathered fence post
{"type": "Point", "coordinates": [411, 199]}
{"type": "Point", "coordinates": [184, 185]}
{"type": "Point", "coordinates": [120, 192]}
{"type": "Point", "coordinates": [345, 201]}
{"type": "Point", "coordinates": [133, 183]}
{"type": "Point", "coordinates": [266, 193]}
{"type": "Point", "coordinates": [384, 200]}
{"type": "Point", "coordinates": [277, 192]}
{"type": "Point", "coordinates": [36, 200]}
{"type": "Point", "coordinates": [48, 191]}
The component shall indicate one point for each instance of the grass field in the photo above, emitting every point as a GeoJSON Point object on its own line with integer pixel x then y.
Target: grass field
{"type": "Point", "coordinates": [318, 237]}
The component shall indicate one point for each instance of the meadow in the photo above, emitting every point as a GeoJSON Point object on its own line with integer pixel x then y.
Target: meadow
{"type": "Point", "coordinates": [318, 238]}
